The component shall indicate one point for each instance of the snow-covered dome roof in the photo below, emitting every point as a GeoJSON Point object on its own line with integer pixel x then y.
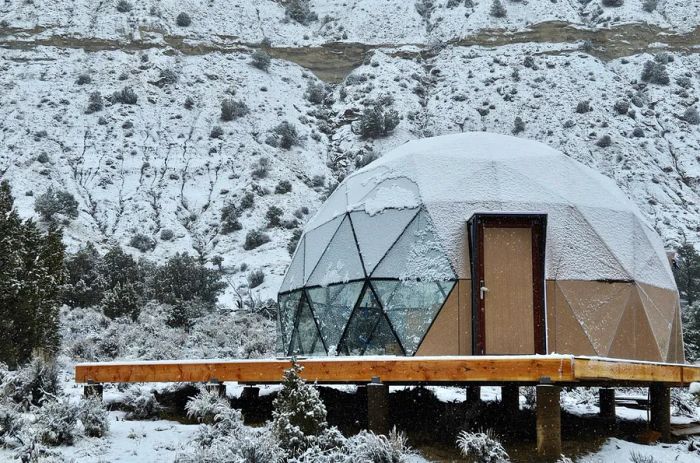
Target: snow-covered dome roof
{"type": "Point", "coordinates": [431, 188]}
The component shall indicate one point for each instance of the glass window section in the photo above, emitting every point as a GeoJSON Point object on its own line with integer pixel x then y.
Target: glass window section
{"type": "Point", "coordinates": [361, 325]}
{"type": "Point", "coordinates": [389, 223]}
{"type": "Point", "coordinates": [383, 341]}
{"type": "Point", "coordinates": [288, 305]}
{"type": "Point", "coordinates": [318, 240]}
{"type": "Point", "coordinates": [340, 262]}
{"type": "Point", "coordinates": [416, 255]}
{"type": "Point", "coordinates": [333, 306]}
{"type": "Point", "coordinates": [294, 277]}
{"type": "Point", "coordinates": [306, 338]}
{"type": "Point", "coordinates": [411, 307]}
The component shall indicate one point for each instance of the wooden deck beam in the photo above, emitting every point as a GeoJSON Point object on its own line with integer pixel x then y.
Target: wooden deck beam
{"type": "Point", "coordinates": [555, 369]}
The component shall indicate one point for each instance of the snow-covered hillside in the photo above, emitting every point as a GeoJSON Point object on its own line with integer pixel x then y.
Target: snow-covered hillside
{"type": "Point", "coordinates": [159, 164]}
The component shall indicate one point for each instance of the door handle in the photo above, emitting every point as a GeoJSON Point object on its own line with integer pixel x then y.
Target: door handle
{"type": "Point", "coordinates": [482, 290]}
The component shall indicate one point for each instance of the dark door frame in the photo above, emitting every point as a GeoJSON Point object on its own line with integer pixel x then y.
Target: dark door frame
{"type": "Point", "coordinates": [538, 224]}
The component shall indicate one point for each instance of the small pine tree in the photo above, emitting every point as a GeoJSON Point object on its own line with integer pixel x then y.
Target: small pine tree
{"type": "Point", "coordinates": [121, 301]}
{"type": "Point", "coordinates": [299, 415]}
{"type": "Point", "coordinates": [375, 122]}
{"type": "Point", "coordinates": [54, 202]}
{"type": "Point", "coordinates": [686, 269]}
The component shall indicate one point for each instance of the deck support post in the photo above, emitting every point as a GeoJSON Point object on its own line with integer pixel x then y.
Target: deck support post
{"type": "Point", "coordinates": [548, 422]}
{"type": "Point", "coordinates": [93, 390]}
{"type": "Point", "coordinates": [216, 386]}
{"type": "Point", "coordinates": [510, 399]}
{"type": "Point", "coordinates": [660, 408]}
{"type": "Point", "coordinates": [473, 395]}
{"type": "Point", "coordinates": [606, 402]}
{"type": "Point", "coordinates": [378, 407]}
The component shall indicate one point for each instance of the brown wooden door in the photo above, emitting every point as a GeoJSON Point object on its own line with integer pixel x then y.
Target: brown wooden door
{"type": "Point", "coordinates": [508, 268]}
{"type": "Point", "coordinates": [508, 305]}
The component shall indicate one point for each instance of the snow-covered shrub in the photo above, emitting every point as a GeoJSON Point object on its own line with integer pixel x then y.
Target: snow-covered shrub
{"type": "Point", "coordinates": [11, 423]}
{"type": "Point", "coordinates": [260, 60]}
{"type": "Point", "coordinates": [33, 382]}
{"type": "Point", "coordinates": [376, 122]}
{"type": "Point", "coordinates": [613, 3]}
{"type": "Point", "coordinates": [283, 187]}
{"type": "Point", "coordinates": [316, 93]}
{"type": "Point", "coordinates": [125, 96]}
{"type": "Point", "coordinates": [655, 73]}
{"type": "Point", "coordinates": [56, 421]}
{"type": "Point", "coordinates": [683, 402]}
{"type": "Point", "coordinates": [363, 447]}
{"type": "Point", "coordinates": [121, 301]}
{"type": "Point", "coordinates": [206, 406]}
{"type": "Point", "coordinates": [564, 459]}
{"type": "Point", "coordinates": [216, 132]}
{"type": "Point", "coordinates": [649, 5]}
{"type": "Point", "coordinates": [232, 109]}
{"type": "Point", "coordinates": [293, 241]}
{"type": "Point", "coordinates": [604, 141]}
{"type": "Point", "coordinates": [286, 135]}
{"type": "Point", "coordinates": [183, 20]}
{"type": "Point", "coordinates": [518, 125]}
{"type": "Point", "coordinates": [367, 446]}
{"type": "Point", "coordinates": [54, 202]}
{"type": "Point", "coordinates": [168, 76]}
{"type": "Point", "coordinates": [142, 242]}
{"type": "Point", "coordinates": [31, 450]}
{"type": "Point", "coordinates": [183, 314]}
{"type": "Point", "coordinates": [260, 170]}
{"type": "Point", "coordinates": [255, 239]}
{"type": "Point", "coordinates": [140, 404]}
{"type": "Point", "coordinates": [166, 234]}
{"type": "Point", "coordinates": [123, 6]}
{"type": "Point", "coordinates": [497, 9]}
{"type": "Point", "coordinates": [94, 416]}
{"type": "Point", "coordinates": [230, 219]}
{"type": "Point", "coordinates": [299, 415]}
{"type": "Point", "coordinates": [621, 106]}
{"type": "Point", "coordinates": [482, 447]}
{"type": "Point", "coordinates": [583, 107]}
{"type": "Point", "coordinates": [273, 216]}
{"type": "Point", "coordinates": [255, 278]}
{"type": "Point", "coordinates": [300, 11]}
{"type": "Point", "coordinates": [691, 116]}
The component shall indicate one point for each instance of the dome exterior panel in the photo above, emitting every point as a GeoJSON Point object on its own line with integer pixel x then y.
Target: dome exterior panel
{"type": "Point", "coordinates": [407, 225]}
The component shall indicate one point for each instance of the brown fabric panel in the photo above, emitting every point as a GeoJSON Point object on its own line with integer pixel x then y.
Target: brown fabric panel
{"type": "Point", "coordinates": [465, 316]}
{"type": "Point", "coordinates": [660, 325]}
{"type": "Point", "coordinates": [443, 336]}
{"type": "Point", "coordinates": [675, 351]}
{"type": "Point", "coordinates": [598, 306]}
{"type": "Point", "coordinates": [646, 347]}
{"type": "Point", "coordinates": [509, 312]}
{"type": "Point", "coordinates": [570, 337]}
{"type": "Point", "coordinates": [623, 344]}
{"type": "Point", "coordinates": [551, 299]}
{"type": "Point", "coordinates": [666, 300]}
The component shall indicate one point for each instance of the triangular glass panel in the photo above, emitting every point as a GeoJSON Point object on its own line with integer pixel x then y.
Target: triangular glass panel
{"type": "Point", "coordinates": [411, 307]}
{"type": "Point", "coordinates": [333, 306]}
{"type": "Point", "coordinates": [383, 341]}
{"type": "Point", "coordinates": [294, 278]}
{"type": "Point", "coordinates": [288, 306]}
{"type": "Point", "coordinates": [306, 339]}
{"type": "Point", "coordinates": [318, 240]}
{"type": "Point", "coordinates": [340, 262]}
{"type": "Point", "coordinates": [374, 245]}
{"type": "Point", "coordinates": [416, 255]}
{"type": "Point", "coordinates": [361, 325]}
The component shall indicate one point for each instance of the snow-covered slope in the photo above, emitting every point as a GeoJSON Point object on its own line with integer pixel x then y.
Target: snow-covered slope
{"type": "Point", "coordinates": [154, 165]}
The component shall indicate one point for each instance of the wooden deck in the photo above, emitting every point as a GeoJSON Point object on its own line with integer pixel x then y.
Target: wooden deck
{"type": "Point", "coordinates": [526, 369]}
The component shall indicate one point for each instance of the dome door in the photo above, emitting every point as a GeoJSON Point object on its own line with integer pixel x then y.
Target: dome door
{"type": "Point", "coordinates": [508, 286]}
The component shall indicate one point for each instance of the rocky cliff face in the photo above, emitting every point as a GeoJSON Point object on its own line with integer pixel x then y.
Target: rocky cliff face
{"type": "Point", "coordinates": [614, 87]}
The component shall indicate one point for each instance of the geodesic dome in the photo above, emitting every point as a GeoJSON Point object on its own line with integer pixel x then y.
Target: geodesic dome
{"type": "Point", "coordinates": [386, 265]}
